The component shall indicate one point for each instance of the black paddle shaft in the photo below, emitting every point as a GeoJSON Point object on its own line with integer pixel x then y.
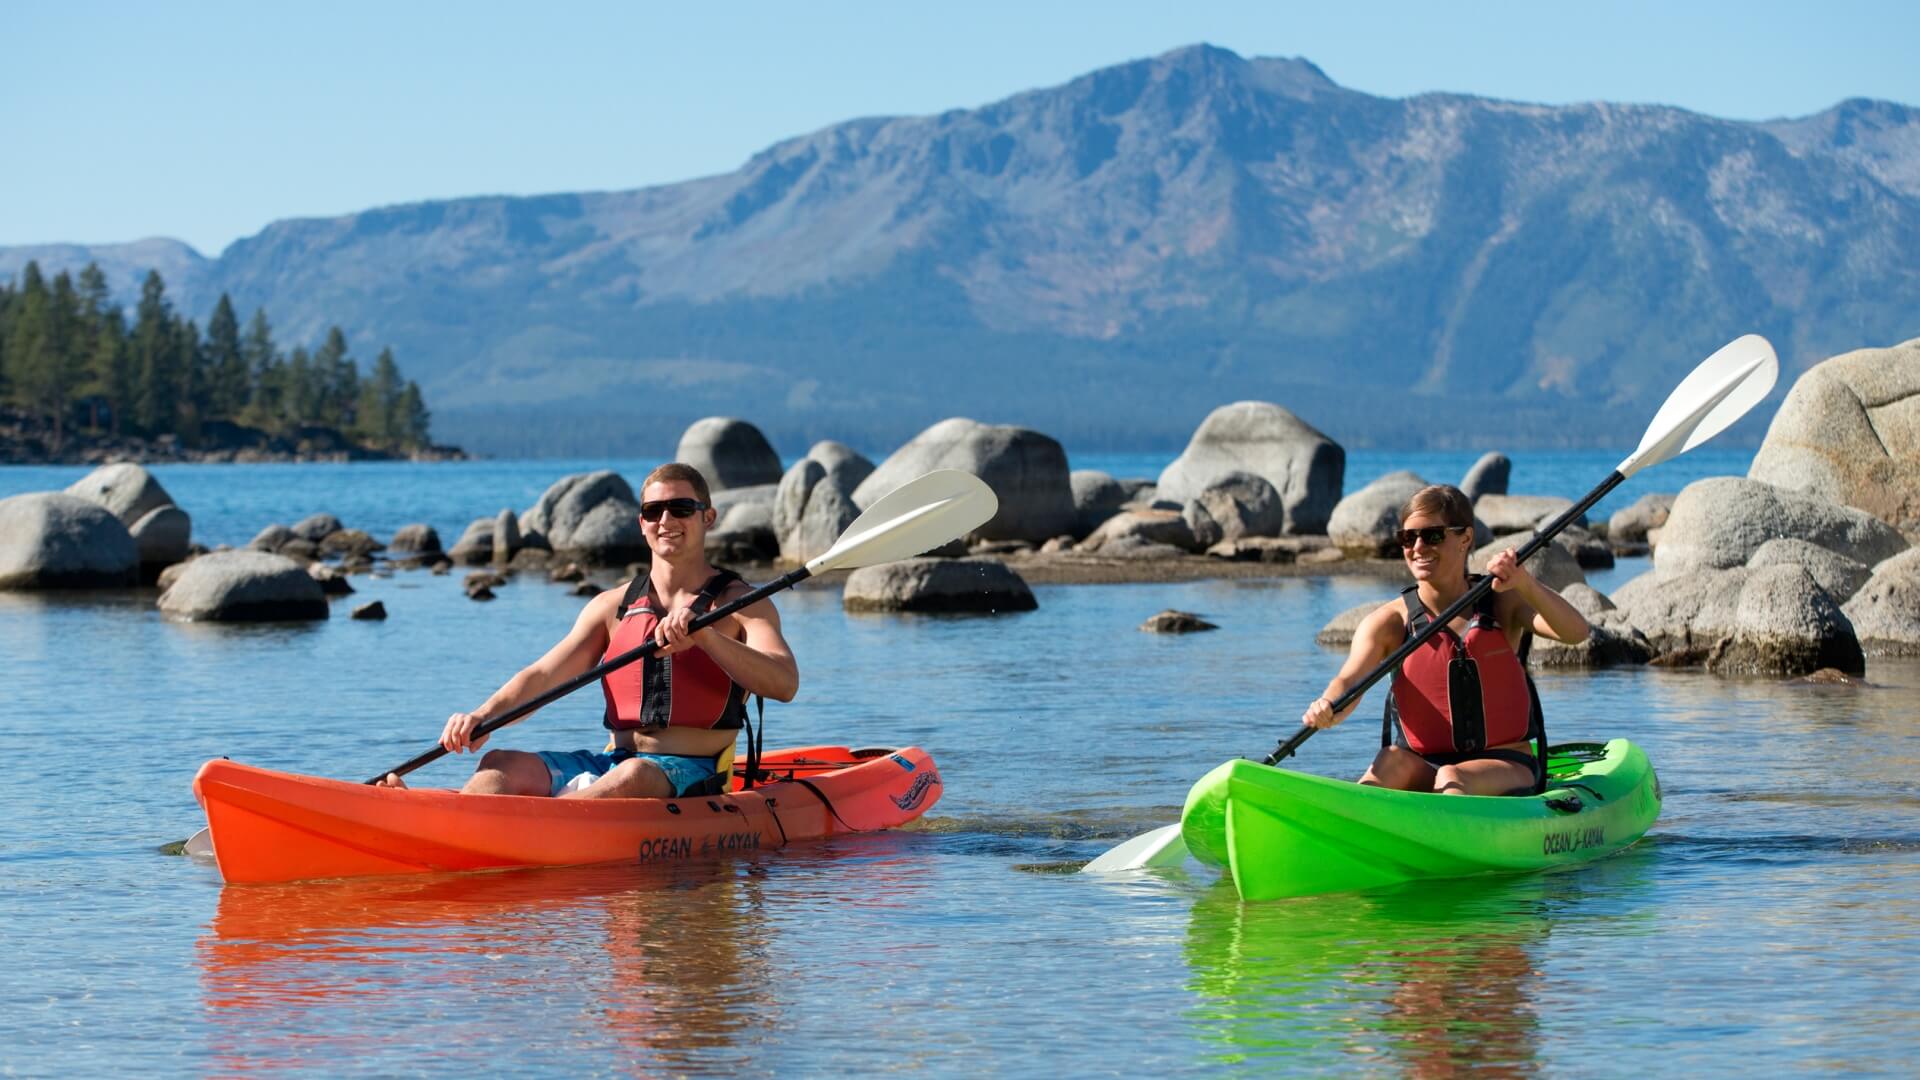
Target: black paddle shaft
{"type": "Point", "coordinates": [1470, 598]}
{"type": "Point", "coordinates": [785, 581]}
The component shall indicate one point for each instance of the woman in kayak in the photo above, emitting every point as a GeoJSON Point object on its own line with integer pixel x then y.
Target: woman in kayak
{"type": "Point", "coordinates": [1462, 699]}
{"type": "Point", "coordinates": [674, 716]}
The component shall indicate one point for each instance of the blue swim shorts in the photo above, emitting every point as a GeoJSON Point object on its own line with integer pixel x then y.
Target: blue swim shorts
{"type": "Point", "coordinates": [684, 773]}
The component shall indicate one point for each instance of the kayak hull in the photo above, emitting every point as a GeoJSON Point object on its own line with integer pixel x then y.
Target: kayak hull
{"type": "Point", "coordinates": [270, 826]}
{"type": "Point", "coordinates": [1281, 833]}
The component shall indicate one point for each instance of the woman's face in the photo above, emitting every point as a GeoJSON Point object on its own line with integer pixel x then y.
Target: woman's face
{"type": "Point", "coordinates": [1435, 558]}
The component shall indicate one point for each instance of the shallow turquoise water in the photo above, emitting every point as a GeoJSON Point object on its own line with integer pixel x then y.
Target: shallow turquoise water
{"type": "Point", "coordinates": [1769, 920]}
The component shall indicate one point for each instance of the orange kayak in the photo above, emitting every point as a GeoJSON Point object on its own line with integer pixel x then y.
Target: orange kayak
{"type": "Point", "coordinates": [274, 826]}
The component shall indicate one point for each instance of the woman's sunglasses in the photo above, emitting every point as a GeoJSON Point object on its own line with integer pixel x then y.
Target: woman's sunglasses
{"type": "Point", "coordinates": [680, 508]}
{"type": "Point", "coordinates": [1432, 534]}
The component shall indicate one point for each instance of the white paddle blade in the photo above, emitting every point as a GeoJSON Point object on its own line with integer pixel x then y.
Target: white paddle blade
{"type": "Point", "coordinates": [1718, 392]}
{"type": "Point", "coordinates": [199, 845]}
{"type": "Point", "coordinates": [915, 517]}
{"type": "Point", "coordinates": [1162, 847]}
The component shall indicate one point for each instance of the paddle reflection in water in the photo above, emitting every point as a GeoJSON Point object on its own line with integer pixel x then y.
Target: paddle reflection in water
{"type": "Point", "coordinates": [1434, 979]}
{"type": "Point", "coordinates": [667, 963]}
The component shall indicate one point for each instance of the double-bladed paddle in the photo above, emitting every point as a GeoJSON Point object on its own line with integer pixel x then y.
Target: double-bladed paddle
{"type": "Point", "coordinates": [918, 516]}
{"type": "Point", "coordinates": [1719, 391]}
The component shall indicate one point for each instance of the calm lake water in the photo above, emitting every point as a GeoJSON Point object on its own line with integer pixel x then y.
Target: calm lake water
{"type": "Point", "coordinates": [1768, 921]}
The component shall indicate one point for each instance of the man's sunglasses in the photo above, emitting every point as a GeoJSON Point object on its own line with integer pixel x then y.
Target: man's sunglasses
{"type": "Point", "coordinates": [1432, 534]}
{"type": "Point", "coordinates": [680, 508]}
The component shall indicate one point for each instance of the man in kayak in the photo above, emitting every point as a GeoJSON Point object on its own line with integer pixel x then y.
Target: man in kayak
{"type": "Point", "coordinates": [674, 715]}
{"type": "Point", "coordinates": [1462, 700]}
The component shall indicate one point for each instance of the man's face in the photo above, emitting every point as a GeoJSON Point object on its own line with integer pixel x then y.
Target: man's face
{"type": "Point", "coordinates": [670, 534]}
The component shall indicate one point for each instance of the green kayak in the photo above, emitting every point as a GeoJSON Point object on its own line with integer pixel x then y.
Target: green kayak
{"type": "Point", "coordinates": [1283, 833]}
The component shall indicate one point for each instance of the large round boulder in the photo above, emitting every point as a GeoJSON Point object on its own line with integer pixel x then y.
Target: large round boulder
{"type": "Point", "coordinates": [127, 490]}
{"type": "Point", "coordinates": [1885, 612]}
{"type": "Point", "coordinates": [1611, 640]}
{"type": "Point", "coordinates": [1488, 476]}
{"type": "Point", "coordinates": [1026, 470]}
{"type": "Point", "coordinates": [415, 540]}
{"type": "Point", "coordinates": [730, 453]}
{"type": "Point", "coordinates": [591, 518]}
{"type": "Point", "coordinates": [938, 585]}
{"type": "Point", "coordinates": [1366, 523]}
{"type": "Point", "coordinates": [846, 467]}
{"type": "Point", "coordinates": [1849, 431]}
{"type": "Point", "coordinates": [52, 540]}
{"type": "Point", "coordinates": [244, 586]}
{"type": "Point", "coordinates": [475, 546]}
{"type": "Point", "coordinates": [162, 532]}
{"type": "Point", "coordinates": [1097, 496]}
{"type": "Point", "coordinates": [1258, 437]}
{"type": "Point", "coordinates": [1236, 506]}
{"type": "Point", "coordinates": [1721, 521]}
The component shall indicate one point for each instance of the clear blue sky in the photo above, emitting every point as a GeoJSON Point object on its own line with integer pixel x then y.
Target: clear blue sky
{"type": "Point", "coordinates": [206, 121]}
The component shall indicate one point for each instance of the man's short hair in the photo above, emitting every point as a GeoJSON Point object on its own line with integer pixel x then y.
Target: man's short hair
{"type": "Point", "coordinates": [676, 471]}
{"type": "Point", "coordinates": [1444, 501]}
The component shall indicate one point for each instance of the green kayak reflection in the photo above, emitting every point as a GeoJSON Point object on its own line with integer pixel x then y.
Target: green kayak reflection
{"type": "Point", "coordinates": [1429, 979]}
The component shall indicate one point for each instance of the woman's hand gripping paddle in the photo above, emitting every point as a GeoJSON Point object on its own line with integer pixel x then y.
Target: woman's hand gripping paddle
{"type": "Point", "coordinates": [918, 516]}
{"type": "Point", "coordinates": [1721, 390]}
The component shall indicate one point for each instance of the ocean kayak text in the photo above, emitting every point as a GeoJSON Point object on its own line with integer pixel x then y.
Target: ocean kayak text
{"type": "Point", "coordinates": [1557, 843]}
{"type": "Point", "coordinates": [683, 847]}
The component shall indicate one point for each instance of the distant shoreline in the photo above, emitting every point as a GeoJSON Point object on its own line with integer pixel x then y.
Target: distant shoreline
{"type": "Point", "coordinates": [24, 441]}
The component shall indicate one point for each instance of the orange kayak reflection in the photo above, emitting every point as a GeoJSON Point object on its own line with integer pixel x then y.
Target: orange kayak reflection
{"type": "Point", "coordinates": [656, 969]}
{"type": "Point", "coordinates": [271, 826]}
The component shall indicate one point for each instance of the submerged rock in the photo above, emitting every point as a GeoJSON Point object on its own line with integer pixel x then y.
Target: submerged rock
{"type": "Point", "coordinates": [1176, 622]}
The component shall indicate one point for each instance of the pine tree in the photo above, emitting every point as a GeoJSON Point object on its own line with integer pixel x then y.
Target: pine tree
{"type": "Point", "coordinates": [191, 396]}
{"type": "Point", "coordinates": [110, 374]}
{"type": "Point", "coordinates": [30, 332]}
{"type": "Point", "coordinates": [297, 390]}
{"type": "Point", "coordinates": [336, 381]}
{"type": "Point", "coordinates": [265, 374]}
{"type": "Point", "coordinates": [415, 419]}
{"type": "Point", "coordinates": [227, 369]}
{"type": "Point", "coordinates": [377, 420]}
{"type": "Point", "coordinates": [153, 356]}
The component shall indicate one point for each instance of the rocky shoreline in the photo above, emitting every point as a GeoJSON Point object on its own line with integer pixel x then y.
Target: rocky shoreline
{"type": "Point", "coordinates": [1768, 574]}
{"type": "Point", "coordinates": [28, 440]}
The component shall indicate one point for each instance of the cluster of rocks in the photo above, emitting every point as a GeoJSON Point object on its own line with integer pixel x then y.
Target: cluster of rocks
{"type": "Point", "coordinates": [1804, 562]}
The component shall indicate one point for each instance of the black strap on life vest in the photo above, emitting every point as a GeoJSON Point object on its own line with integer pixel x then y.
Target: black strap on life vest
{"type": "Point", "coordinates": [656, 680]}
{"type": "Point", "coordinates": [1463, 687]}
{"type": "Point", "coordinates": [656, 674]}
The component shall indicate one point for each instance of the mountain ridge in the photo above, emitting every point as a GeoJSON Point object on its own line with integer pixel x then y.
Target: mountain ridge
{"type": "Point", "coordinates": [1109, 258]}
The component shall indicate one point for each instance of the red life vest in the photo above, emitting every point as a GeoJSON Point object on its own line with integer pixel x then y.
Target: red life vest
{"type": "Point", "coordinates": [1460, 693]}
{"type": "Point", "coordinates": [686, 689]}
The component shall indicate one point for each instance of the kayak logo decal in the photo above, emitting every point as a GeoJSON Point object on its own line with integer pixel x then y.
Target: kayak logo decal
{"type": "Point", "coordinates": [662, 848]}
{"type": "Point", "coordinates": [1560, 843]}
{"type": "Point", "coordinates": [902, 762]}
{"type": "Point", "coordinates": [917, 793]}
